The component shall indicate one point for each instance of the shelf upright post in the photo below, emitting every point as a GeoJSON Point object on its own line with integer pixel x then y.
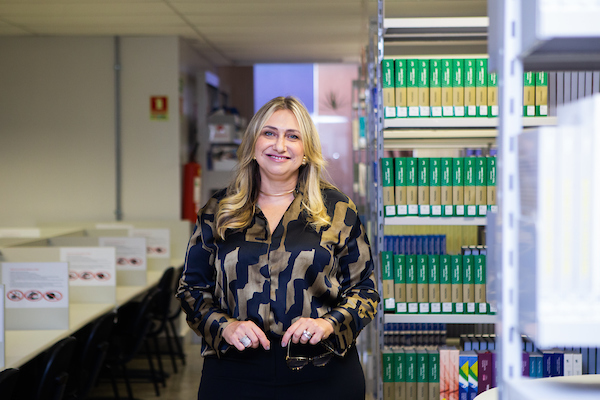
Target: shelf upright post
{"type": "Point", "coordinates": [504, 50]}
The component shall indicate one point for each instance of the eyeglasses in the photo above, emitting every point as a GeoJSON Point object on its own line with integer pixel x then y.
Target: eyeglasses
{"type": "Point", "coordinates": [296, 363]}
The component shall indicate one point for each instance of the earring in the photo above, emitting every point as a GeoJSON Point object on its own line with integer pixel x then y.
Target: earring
{"type": "Point", "coordinates": [304, 160]}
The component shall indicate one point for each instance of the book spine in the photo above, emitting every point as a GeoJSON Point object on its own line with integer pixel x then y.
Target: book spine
{"type": "Point", "coordinates": [387, 357]}
{"type": "Point", "coordinates": [484, 371]}
{"type": "Point", "coordinates": [400, 282]}
{"type": "Point", "coordinates": [410, 358]}
{"type": "Point", "coordinates": [468, 283]}
{"type": "Point", "coordinates": [424, 107]}
{"type": "Point", "coordinates": [470, 193]}
{"type": "Point", "coordinates": [435, 186]}
{"type": "Point", "coordinates": [473, 377]}
{"type": "Point", "coordinates": [387, 85]}
{"type": "Point", "coordinates": [446, 186]}
{"type": "Point", "coordinates": [399, 375]}
{"type": "Point", "coordinates": [493, 94]}
{"type": "Point", "coordinates": [388, 178]}
{"type": "Point", "coordinates": [447, 95]}
{"type": "Point", "coordinates": [458, 87]}
{"type": "Point", "coordinates": [481, 185]}
{"type": "Point", "coordinates": [423, 186]}
{"type": "Point", "coordinates": [387, 274]}
{"type": "Point", "coordinates": [422, 285]}
{"type": "Point", "coordinates": [458, 182]}
{"type": "Point", "coordinates": [470, 90]}
{"type": "Point", "coordinates": [434, 374]}
{"type": "Point", "coordinates": [412, 87]}
{"type": "Point", "coordinates": [433, 282]}
{"type": "Point", "coordinates": [446, 283]}
{"type": "Point", "coordinates": [457, 283]}
{"type": "Point", "coordinates": [541, 94]}
{"type": "Point", "coordinates": [422, 374]}
{"type": "Point", "coordinates": [435, 87]}
{"type": "Point", "coordinates": [411, 283]}
{"type": "Point", "coordinates": [463, 377]}
{"type": "Point", "coordinates": [491, 182]}
{"type": "Point", "coordinates": [412, 199]}
{"type": "Point", "coordinates": [480, 278]}
{"type": "Point", "coordinates": [400, 86]}
{"type": "Point", "coordinates": [529, 94]}
{"type": "Point", "coordinates": [400, 190]}
{"type": "Point", "coordinates": [481, 86]}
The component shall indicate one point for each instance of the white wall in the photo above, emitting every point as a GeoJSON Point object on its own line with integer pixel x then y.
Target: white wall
{"type": "Point", "coordinates": [57, 129]}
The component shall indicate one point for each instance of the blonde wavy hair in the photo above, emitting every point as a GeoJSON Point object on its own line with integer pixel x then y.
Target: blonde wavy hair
{"type": "Point", "coordinates": [236, 209]}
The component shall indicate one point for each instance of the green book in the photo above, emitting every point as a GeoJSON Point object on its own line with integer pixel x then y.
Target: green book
{"type": "Point", "coordinates": [387, 275]}
{"type": "Point", "coordinates": [422, 374]}
{"type": "Point", "coordinates": [412, 199]}
{"type": "Point", "coordinates": [410, 372]}
{"type": "Point", "coordinates": [480, 283]}
{"type": "Point", "coordinates": [469, 283]}
{"type": "Point", "coordinates": [422, 285]}
{"type": "Point", "coordinates": [388, 89]}
{"type": "Point", "coordinates": [400, 83]}
{"type": "Point", "coordinates": [458, 87]}
{"type": "Point", "coordinates": [400, 283]}
{"type": "Point", "coordinates": [481, 84]}
{"type": "Point", "coordinates": [435, 87]}
{"type": "Point", "coordinates": [434, 374]}
{"type": "Point", "coordinates": [412, 87]}
{"type": "Point", "coordinates": [446, 186]}
{"type": "Point", "coordinates": [446, 283]}
{"type": "Point", "coordinates": [399, 375]}
{"type": "Point", "coordinates": [400, 186]}
{"type": "Point", "coordinates": [411, 284]}
{"type": "Point", "coordinates": [541, 94]}
{"type": "Point", "coordinates": [470, 90]}
{"type": "Point", "coordinates": [424, 110]}
{"type": "Point", "coordinates": [493, 94]}
{"type": "Point", "coordinates": [457, 283]}
{"type": "Point", "coordinates": [458, 185]}
{"type": "Point", "coordinates": [447, 95]}
{"type": "Point", "coordinates": [491, 183]}
{"type": "Point", "coordinates": [435, 186]}
{"type": "Point", "coordinates": [481, 185]}
{"type": "Point", "coordinates": [423, 186]}
{"type": "Point", "coordinates": [529, 94]}
{"type": "Point", "coordinates": [433, 281]}
{"type": "Point", "coordinates": [471, 210]}
{"type": "Point", "coordinates": [387, 177]}
{"type": "Point", "coordinates": [387, 360]}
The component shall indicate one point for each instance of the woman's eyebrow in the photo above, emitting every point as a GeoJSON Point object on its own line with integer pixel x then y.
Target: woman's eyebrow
{"type": "Point", "coordinates": [277, 129]}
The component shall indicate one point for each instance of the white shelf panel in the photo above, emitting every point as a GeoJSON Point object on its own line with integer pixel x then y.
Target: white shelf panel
{"type": "Point", "coordinates": [452, 123]}
{"type": "Point", "coordinates": [441, 318]}
{"type": "Point", "coordinates": [580, 387]}
{"type": "Point", "coordinates": [479, 221]}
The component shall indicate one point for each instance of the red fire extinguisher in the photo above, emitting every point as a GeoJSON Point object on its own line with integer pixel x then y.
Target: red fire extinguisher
{"type": "Point", "coordinates": [192, 184]}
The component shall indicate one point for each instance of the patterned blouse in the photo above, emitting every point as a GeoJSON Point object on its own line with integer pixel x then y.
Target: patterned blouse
{"type": "Point", "coordinates": [274, 279]}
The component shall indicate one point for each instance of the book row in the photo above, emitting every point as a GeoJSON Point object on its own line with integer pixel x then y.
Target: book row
{"type": "Point", "coordinates": [436, 284]}
{"type": "Point", "coordinates": [414, 334]}
{"type": "Point", "coordinates": [415, 244]}
{"type": "Point", "coordinates": [436, 187]}
{"type": "Point", "coordinates": [459, 87]}
{"type": "Point", "coordinates": [447, 373]}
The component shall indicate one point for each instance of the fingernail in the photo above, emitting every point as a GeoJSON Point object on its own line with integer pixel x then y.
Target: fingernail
{"type": "Point", "coordinates": [283, 344]}
{"type": "Point", "coordinates": [267, 347]}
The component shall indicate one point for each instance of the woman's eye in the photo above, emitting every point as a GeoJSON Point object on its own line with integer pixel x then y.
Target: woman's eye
{"type": "Point", "coordinates": [268, 133]}
{"type": "Point", "coordinates": [293, 136]}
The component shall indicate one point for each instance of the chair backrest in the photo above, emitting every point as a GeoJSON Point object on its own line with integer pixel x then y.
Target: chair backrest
{"type": "Point", "coordinates": [175, 309]}
{"type": "Point", "coordinates": [88, 363]}
{"type": "Point", "coordinates": [8, 382]}
{"type": "Point", "coordinates": [162, 305]}
{"type": "Point", "coordinates": [56, 363]}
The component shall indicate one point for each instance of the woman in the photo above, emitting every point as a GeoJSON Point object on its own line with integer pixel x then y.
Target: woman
{"type": "Point", "coordinates": [278, 279]}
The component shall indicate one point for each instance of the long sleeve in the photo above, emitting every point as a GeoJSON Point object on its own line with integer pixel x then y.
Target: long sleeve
{"type": "Point", "coordinates": [197, 286]}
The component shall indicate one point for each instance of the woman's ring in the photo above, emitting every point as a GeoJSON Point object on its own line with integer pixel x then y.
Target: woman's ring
{"type": "Point", "coordinates": [307, 334]}
{"type": "Point", "coordinates": [245, 341]}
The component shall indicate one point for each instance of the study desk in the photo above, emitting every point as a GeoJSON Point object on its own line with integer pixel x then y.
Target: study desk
{"type": "Point", "coordinates": [22, 346]}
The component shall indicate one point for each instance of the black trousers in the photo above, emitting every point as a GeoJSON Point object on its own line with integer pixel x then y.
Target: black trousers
{"type": "Point", "coordinates": [259, 374]}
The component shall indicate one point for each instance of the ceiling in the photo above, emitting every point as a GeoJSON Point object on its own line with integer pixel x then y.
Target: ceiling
{"type": "Point", "coordinates": [229, 32]}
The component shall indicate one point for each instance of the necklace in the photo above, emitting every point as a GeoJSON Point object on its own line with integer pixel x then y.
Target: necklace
{"type": "Point", "coordinates": [277, 194]}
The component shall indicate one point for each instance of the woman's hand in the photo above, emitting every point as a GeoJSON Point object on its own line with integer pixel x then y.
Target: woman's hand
{"type": "Point", "coordinates": [242, 334]}
{"type": "Point", "coordinates": [317, 329]}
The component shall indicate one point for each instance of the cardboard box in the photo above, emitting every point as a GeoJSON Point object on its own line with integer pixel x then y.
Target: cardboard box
{"type": "Point", "coordinates": [400, 182]}
{"type": "Point", "coordinates": [493, 94]}
{"type": "Point", "coordinates": [446, 186]}
{"type": "Point", "coordinates": [481, 87]}
{"type": "Point", "coordinates": [423, 186]}
{"type": "Point", "coordinates": [470, 193]}
{"type": "Point", "coordinates": [387, 275]}
{"type": "Point", "coordinates": [447, 95]}
{"type": "Point", "coordinates": [435, 186]}
{"type": "Point", "coordinates": [541, 94]}
{"type": "Point", "coordinates": [529, 94]}
{"type": "Point", "coordinates": [458, 182]}
{"type": "Point", "coordinates": [458, 87]}
{"type": "Point", "coordinates": [388, 89]}
{"type": "Point", "coordinates": [435, 87]}
{"type": "Point", "coordinates": [470, 91]}
{"type": "Point", "coordinates": [412, 198]}
{"type": "Point", "coordinates": [424, 110]}
{"type": "Point", "coordinates": [400, 86]}
{"type": "Point", "coordinates": [388, 178]}
{"type": "Point", "coordinates": [412, 87]}
{"type": "Point", "coordinates": [481, 186]}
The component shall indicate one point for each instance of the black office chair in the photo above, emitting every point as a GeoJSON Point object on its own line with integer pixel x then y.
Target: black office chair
{"type": "Point", "coordinates": [56, 361]}
{"type": "Point", "coordinates": [89, 356]}
{"type": "Point", "coordinates": [129, 335]}
{"type": "Point", "coordinates": [8, 382]}
{"type": "Point", "coordinates": [173, 317]}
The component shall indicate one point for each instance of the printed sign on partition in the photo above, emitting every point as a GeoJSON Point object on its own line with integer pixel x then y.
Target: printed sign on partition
{"type": "Point", "coordinates": [90, 266]}
{"type": "Point", "coordinates": [130, 252]}
{"type": "Point", "coordinates": [36, 285]}
{"type": "Point", "coordinates": [157, 241]}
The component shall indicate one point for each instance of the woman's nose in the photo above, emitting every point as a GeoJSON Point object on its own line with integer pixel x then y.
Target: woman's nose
{"type": "Point", "coordinates": [280, 144]}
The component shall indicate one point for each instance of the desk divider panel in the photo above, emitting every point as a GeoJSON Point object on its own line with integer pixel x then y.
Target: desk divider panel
{"type": "Point", "coordinates": [130, 255]}
{"type": "Point", "coordinates": [92, 273]}
{"type": "Point", "coordinates": [37, 295]}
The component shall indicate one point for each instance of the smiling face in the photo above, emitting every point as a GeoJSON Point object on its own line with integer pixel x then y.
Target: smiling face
{"type": "Point", "coordinates": [279, 149]}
